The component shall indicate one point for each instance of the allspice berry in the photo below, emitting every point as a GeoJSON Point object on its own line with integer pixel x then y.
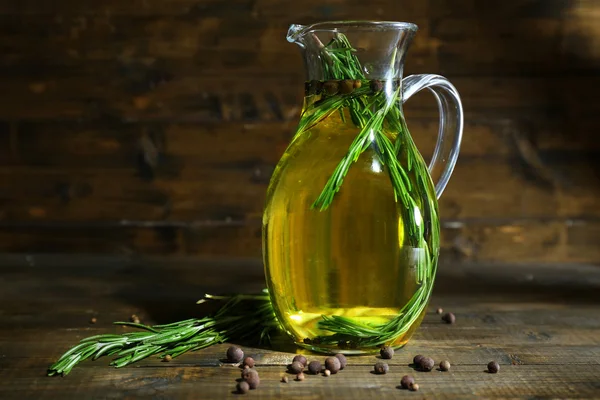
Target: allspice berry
{"type": "Point", "coordinates": [343, 360]}
{"type": "Point", "coordinates": [346, 86]}
{"type": "Point", "coordinates": [406, 381]}
{"type": "Point", "coordinates": [301, 359]}
{"type": "Point", "coordinates": [300, 376]}
{"type": "Point", "coordinates": [330, 87]}
{"type": "Point", "coordinates": [376, 85]}
{"type": "Point", "coordinates": [414, 387]}
{"type": "Point", "coordinates": [243, 387]}
{"type": "Point", "coordinates": [314, 367]}
{"type": "Point", "coordinates": [249, 362]}
{"type": "Point", "coordinates": [253, 380]}
{"type": "Point", "coordinates": [235, 354]}
{"type": "Point", "coordinates": [333, 364]}
{"type": "Point", "coordinates": [93, 320]}
{"type": "Point", "coordinates": [445, 365]}
{"type": "Point", "coordinates": [284, 379]}
{"type": "Point", "coordinates": [417, 360]}
{"type": "Point", "coordinates": [247, 372]}
{"type": "Point", "coordinates": [449, 318]}
{"type": "Point", "coordinates": [386, 352]}
{"type": "Point", "coordinates": [381, 367]}
{"type": "Point", "coordinates": [427, 364]}
{"type": "Point", "coordinates": [167, 358]}
{"type": "Point", "coordinates": [493, 367]}
{"type": "Point", "coordinates": [440, 311]}
{"type": "Point", "coordinates": [327, 372]}
{"type": "Point", "coordinates": [296, 367]}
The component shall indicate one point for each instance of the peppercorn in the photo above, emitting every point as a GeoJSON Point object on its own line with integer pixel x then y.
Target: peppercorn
{"type": "Point", "coordinates": [300, 376]}
{"type": "Point", "coordinates": [284, 379]}
{"type": "Point", "coordinates": [346, 86]}
{"type": "Point", "coordinates": [406, 381]}
{"type": "Point", "coordinates": [296, 367]}
{"type": "Point", "coordinates": [307, 341]}
{"type": "Point", "coordinates": [343, 360]}
{"type": "Point", "coordinates": [135, 319]}
{"type": "Point", "coordinates": [249, 362]}
{"type": "Point", "coordinates": [314, 367]}
{"type": "Point", "coordinates": [93, 320]}
{"type": "Point", "coordinates": [376, 85]}
{"type": "Point", "coordinates": [167, 358]}
{"type": "Point", "coordinates": [253, 379]}
{"type": "Point", "coordinates": [333, 364]}
{"type": "Point", "coordinates": [417, 360]}
{"type": "Point", "coordinates": [235, 354]}
{"type": "Point", "coordinates": [247, 371]}
{"type": "Point", "coordinates": [414, 387]}
{"type": "Point", "coordinates": [381, 367]}
{"type": "Point", "coordinates": [493, 367]}
{"type": "Point", "coordinates": [357, 84]}
{"type": "Point", "coordinates": [243, 387]}
{"type": "Point", "coordinates": [386, 352]}
{"type": "Point", "coordinates": [449, 318]}
{"type": "Point", "coordinates": [445, 365]}
{"type": "Point", "coordinates": [301, 359]}
{"type": "Point", "coordinates": [427, 364]}
{"type": "Point", "coordinates": [440, 311]}
{"type": "Point", "coordinates": [327, 372]}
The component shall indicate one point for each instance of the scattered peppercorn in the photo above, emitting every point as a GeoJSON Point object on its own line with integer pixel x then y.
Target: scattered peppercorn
{"type": "Point", "coordinates": [284, 379]}
{"type": "Point", "coordinates": [314, 367]}
{"type": "Point", "coordinates": [386, 352]}
{"type": "Point", "coordinates": [247, 371]}
{"type": "Point", "coordinates": [440, 311]}
{"type": "Point", "coordinates": [235, 354]}
{"type": "Point", "coordinates": [301, 359]}
{"type": "Point", "coordinates": [417, 360]}
{"type": "Point", "coordinates": [414, 387]}
{"type": "Point", "coordinates": [327, 372]}
{"type": "Point", "coordinates": [449, 318]}
{"type": "Point", "coordinates": [343, 360]}
{"type": "Point", "coordinates": [167, 358]}
{"type": "Point", "coordinates": [253, 379]}
{"type": "Point", "coordinates": [333, 364]}
{"type": "Point", "coordinates": [93, 320]}
{"type": "Point", "coordinates": [307, 341]}
{"type": "Point", "coordinates": [376, 85]}
{"type": "Point", "coordinates": [346, 86]}
{"type": "Point", "coordinates": [493, 367]}
{"type": "Point", "coordinates": [296, 367]}
{"type": "Point", "coordinates": [249, 362]}
{"type": "Point", "coordinates": [357, 84]}
{"type": "Point", "coordinates": [406, 381]}
{"type": "Point", "coordinates": [427, 364]}
{"type": "Point", "coordinates": [381, 367]}
{"type": "Point", "coordinates": [330, 87]}
{"type": "Point", "coordinates": [243, 387]}
{"type": "Point", "coordinates": [300, 376]}
{"type": "Point", "coordinates": [445, 365]}
{"type": "Point", "coordinates": [135, 319]}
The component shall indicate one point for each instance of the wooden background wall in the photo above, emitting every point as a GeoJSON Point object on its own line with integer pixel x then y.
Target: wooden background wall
{"type": "Point", "coordinates": [152, 126]}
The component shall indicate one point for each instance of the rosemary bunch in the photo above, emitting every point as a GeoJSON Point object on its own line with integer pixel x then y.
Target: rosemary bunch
{"type": "Point", "coordinates": [243, 317]}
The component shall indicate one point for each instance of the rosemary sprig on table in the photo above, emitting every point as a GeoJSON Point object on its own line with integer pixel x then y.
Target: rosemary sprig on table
{"type": "Point", "coordinates": [243, 317]}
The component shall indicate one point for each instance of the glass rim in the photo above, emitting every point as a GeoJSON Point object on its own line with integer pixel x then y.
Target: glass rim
{"type": "Point", "coordinates": [296, 30]}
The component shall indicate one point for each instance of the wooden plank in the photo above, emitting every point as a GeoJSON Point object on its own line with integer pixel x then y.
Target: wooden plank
{"type": "Point", "coordinates": [474, 240]}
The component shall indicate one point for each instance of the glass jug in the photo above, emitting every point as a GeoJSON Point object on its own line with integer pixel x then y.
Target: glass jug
{"type": "Point", "coordinates": [350, 227]}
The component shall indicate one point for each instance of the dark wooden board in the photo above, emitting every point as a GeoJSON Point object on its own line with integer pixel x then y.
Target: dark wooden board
{"type": "Point", "coordinates": [539, 322]}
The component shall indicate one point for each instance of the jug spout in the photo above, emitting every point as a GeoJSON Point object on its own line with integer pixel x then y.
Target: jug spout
{"type": "Point", "coordinates": [378, 47]}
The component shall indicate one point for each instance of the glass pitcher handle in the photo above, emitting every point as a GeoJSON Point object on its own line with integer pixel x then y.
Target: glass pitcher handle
{"type": "Point", "coordinates": [451, 124]}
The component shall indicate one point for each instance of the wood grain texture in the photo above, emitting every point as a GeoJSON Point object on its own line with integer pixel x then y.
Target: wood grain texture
{"type": "Point", "coordinates": [175, 114]}
{"type": "Point", "coordinates": [540, 325]}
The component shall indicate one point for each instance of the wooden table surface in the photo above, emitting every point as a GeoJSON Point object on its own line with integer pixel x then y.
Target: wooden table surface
{"type": "Point", "coordinates": [540, 322]}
